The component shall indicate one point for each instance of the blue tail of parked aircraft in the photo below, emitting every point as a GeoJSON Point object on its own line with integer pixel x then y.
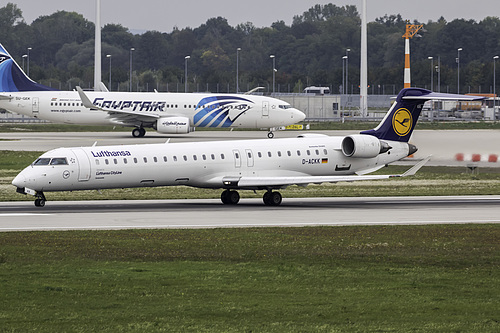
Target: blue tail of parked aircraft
{"type": "Point", "coordinates": [401, 119]}
{"type": "Point", "coordinates": [12, 78]}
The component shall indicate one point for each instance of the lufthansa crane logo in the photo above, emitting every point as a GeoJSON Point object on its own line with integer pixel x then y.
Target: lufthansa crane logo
{"type": "Point", "coordinates": [402, 122]}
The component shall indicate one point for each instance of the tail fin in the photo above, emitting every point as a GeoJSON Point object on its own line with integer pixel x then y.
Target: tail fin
{"type": "Point", "coordinates": [12, 78]}
{"type": "Point", "coordinates": [399, 122]}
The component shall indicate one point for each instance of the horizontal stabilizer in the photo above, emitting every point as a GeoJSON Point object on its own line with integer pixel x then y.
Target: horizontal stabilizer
{"type": "Point", "coordinates": [445, 97]}
{"type": "Point", "coordinates": [416, 167]}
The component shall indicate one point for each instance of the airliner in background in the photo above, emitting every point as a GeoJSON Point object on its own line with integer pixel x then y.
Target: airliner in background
{"type": "Point", "coordinates": [264, 164]}
{"type": "Point", "coordinates": [167, 113]}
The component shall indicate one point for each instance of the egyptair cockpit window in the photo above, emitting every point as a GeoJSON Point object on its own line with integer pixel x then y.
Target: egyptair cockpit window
{"type": "Point", "coordinates": [284, 107]}
{"type": "Point", "coordinates": [42, 161]}
{"type": "Point", "coordinates": [59, 161]}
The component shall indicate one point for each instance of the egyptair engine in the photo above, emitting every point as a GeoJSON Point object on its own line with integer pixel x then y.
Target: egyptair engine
{"type": "Point", "coordinates": [363, 146]}
{"type": "Point", "coordinates": [173, 125]}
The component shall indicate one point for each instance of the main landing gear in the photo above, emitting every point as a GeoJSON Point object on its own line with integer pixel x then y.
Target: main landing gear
{"type": "Point", "coordinates": [40, 199]}
{"type": "Point", "coordinates": [270, 198]}
{"type": "Point", "coordinates": [270, 134]}
{"type": "Point", "coordinates": [138, 132]}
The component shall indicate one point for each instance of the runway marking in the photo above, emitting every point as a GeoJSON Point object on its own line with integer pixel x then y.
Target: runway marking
{"type": "Point", "coordinates": [248, 225]}
{"type": "Point", "coordinates": [24, 214]}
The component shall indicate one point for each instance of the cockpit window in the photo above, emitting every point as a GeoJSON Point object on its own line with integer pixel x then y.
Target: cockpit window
{"type": "Point", "coordinates": [59, 161]}
{"type": "Point", "coordinates": [42, 161]}
{"type": "Point", "coordinates": [284, 107]}
{"type": "Point", "coordinates": [51, 161]}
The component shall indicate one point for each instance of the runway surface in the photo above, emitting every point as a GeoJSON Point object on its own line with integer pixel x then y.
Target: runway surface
{"type": "Point", "coordinates": [110, 215]}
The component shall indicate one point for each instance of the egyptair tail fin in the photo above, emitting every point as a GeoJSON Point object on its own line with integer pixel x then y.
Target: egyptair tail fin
{"type": "Point", "coordinates": [399, 122]}
{"type": "Point", "coordinates": [12, 78]}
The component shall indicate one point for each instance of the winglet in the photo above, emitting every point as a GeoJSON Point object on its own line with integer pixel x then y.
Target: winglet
{"type": "Point", "coordinates": [416, 167]}
{"type": "Point", "coordinates": [85, 100]}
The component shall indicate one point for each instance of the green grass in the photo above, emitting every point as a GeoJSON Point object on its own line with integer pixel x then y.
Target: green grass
{"type": "Point", "coordinates": [325, 279]}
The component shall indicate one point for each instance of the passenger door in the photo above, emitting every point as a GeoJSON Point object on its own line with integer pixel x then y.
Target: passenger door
{"type": "Point", "coordinates": [35, 106]}
{"type": "Point", "coordinates": [83, 164]}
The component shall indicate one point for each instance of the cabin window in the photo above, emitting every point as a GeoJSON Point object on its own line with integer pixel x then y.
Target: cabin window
{"type": "Point", "coordinates": [204, 157]}
{"type": "Point", "coordinates": [259, 154]}
{"type": "Point", "coordinates": [236, 155]}
{"type": "Point", "coordinates": [269, 154]}
{"type": "Point", "coordinates": [213, 156]}
{"type": "Point", "coordinates": [317, 151]}
{"type": "Point", "coordinates": [249, 155]}
{"type": "Point", "coordinates": [135, 159]}
{"type": "Point", "coordinates": [185, 158]}
{"type": "Point", "coordinates": [175, 158]}
{"type": "Point", "coordinates": [325, 151]}
{"type": "Point", "coordinates": [59, 161]}
{"type": "Point", "coordinates": [115, 161]}
{"type": "Point", "coordinates": [195, 157]}
{"type": "Point", "coordinates": [164, 158]}
{"type": "Point", "coordinates": [96, 162]}
{"type": "Point", "coordinates": [279, 153]}
{"type": "Point", "coordinates": [289, 153]}
{"type": "Point", "coordinates": [222, 156]}
{"type": "Point", "coordinates": [308, 152]}
{"type": "Point", "coordinates": [124, 161]}
{"type": "Point", "coordinates": [106, 161]}
{"type": "Point", "coordinates": [298, 152]}
{"type": "Point", "coordinates": [145, 159]}
{"type": "Point", "coordinates": [155, 159]}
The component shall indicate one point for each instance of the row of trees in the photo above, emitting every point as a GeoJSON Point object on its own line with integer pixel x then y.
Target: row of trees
{"type": "Point", "coordinates": [308, 52]}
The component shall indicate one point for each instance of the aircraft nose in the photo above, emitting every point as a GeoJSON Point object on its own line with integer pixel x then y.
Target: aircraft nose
{"type": "Point", "coordinates": [19, 181]}
{"type": "Point", "coordinates": [298, 115]}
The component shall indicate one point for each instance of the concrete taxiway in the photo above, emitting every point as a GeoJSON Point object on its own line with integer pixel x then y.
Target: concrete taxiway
{"type": "Point", "coordinates": [123, 214]}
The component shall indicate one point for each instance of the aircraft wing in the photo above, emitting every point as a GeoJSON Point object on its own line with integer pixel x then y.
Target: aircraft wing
{"type": "Point", "coordinates": [128, 117]}
{"type": "Point", "coordinates": [281, 182]}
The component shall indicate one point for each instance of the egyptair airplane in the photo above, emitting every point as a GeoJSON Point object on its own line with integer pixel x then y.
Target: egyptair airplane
{"type": "Point", "coordinates": [167, 113]}
{"type": "Point", "coordinates": [262, 164]}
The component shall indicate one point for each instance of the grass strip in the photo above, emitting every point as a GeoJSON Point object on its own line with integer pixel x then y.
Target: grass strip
{"type": "Point", "coordinates": [321, 279]}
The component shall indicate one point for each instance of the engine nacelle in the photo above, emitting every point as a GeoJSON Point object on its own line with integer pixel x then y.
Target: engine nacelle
{"type": "Point", "coordinates": [363, 146]}
{"type": "Point", "coordinates": [173, 125]}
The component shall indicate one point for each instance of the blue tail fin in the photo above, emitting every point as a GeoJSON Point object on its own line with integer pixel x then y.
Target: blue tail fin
{"type": "Point", "coordinates": [399, 122]}
{"type": "Point", "coordinates": [12, 78]}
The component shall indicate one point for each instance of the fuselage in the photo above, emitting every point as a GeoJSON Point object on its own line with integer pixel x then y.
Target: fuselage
{"type": "Point", "coordinates": [200, 164]}
{"type": "Point", "coordinates": [202, 110]}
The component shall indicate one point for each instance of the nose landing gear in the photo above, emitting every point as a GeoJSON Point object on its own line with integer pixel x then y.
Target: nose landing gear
{"type": "Point", "coordinates": [40, 199]}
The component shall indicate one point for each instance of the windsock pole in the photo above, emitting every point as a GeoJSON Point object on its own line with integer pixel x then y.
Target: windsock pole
{"type": "Point", "coordinates": [411, 30]}
{"type": "Point", "coordinates": [407, 76]}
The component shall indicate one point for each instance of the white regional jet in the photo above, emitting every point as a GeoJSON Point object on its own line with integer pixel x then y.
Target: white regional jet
{"type": "Point", "coordinates": [230, 165]}
{"type": "Point", "coordinates": [167, 113]}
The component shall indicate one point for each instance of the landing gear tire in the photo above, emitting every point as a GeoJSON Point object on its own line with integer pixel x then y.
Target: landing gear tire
{"type": "Point", "coordinates": [39, 202]}
{"type": "Point", "coordinates": [230, 197]}
{"type": "Point", "coordinates": [40, 199]}
{"type": "Point", "coordinates": [138, 132]}
{"type": "Point", "coordinates": [272, 198]}
{"type": "Point", "coordinates": [270, 135]}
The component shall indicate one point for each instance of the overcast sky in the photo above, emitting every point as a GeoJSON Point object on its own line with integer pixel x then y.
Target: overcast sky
{"type": "Point", "coordinates": [164, 15]}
